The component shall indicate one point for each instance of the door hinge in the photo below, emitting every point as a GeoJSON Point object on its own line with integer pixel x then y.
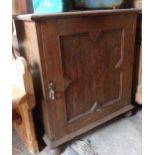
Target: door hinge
{"type": "Point", "coordinates": [51, 90]}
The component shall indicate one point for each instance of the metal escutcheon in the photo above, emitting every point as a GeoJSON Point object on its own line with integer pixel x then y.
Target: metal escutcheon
{"type": "Point", "coordinates": [51, 89]}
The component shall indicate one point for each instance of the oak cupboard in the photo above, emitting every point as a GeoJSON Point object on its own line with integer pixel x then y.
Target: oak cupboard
{"type": "Point", "coordinates": [83, 65]}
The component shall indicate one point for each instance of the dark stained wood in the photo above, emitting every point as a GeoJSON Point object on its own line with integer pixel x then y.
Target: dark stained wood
{"type": "Point", "coordinates": [92, 125]}
{"type": "Point", "coordinates": [90, 93]}
{"type": "Point", "coordinates": [32, 17]}
{"type": "Point", "coordinates": [88, 58]}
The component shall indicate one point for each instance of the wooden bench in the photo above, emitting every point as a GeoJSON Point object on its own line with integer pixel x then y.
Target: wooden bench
{"type": "Point", "coordinates": [23, 101]}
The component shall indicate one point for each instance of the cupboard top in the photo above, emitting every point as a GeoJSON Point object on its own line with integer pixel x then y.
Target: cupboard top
{"type": "Point", "coordinates": [33, 17]}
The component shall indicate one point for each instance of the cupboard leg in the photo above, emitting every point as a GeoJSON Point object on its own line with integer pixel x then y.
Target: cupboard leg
{"type": "Point", "coordinates": [47, 140]}
{"type": "Point", "coordinates": [50, 150]}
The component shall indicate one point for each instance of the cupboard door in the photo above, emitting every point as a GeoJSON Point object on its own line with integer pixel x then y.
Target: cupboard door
{"type": "Point", "coordinates": [91, 67]}
{"type": "Point", "coordinates": [92, 73]}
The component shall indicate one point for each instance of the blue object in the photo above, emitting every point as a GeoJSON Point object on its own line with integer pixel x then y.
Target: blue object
{"type": "Point", "coordinates": [94, 4]}
{"type": "Point", "coordinates": [48, 6]}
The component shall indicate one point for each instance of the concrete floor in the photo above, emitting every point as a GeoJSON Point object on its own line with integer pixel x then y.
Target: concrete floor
{"type": "Point", "coordinates": [121, 136]}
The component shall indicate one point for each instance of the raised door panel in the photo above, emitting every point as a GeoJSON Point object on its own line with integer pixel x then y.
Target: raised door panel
{"type": "Point", "coordinates": [91, 70]}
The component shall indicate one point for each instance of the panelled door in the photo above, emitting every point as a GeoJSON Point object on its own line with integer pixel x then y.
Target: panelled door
{"type": "Point", "coordinates": [89, 60]}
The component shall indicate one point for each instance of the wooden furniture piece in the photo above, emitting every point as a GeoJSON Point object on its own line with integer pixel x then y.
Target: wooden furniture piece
{"type": "Point", "coordinates": [23, 101]}
{"type": "Point", "coordinates": [85, 63]}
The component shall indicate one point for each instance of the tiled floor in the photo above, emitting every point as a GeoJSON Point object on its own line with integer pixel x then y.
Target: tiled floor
{"type": "Point", "coordinates": [121, 136]}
